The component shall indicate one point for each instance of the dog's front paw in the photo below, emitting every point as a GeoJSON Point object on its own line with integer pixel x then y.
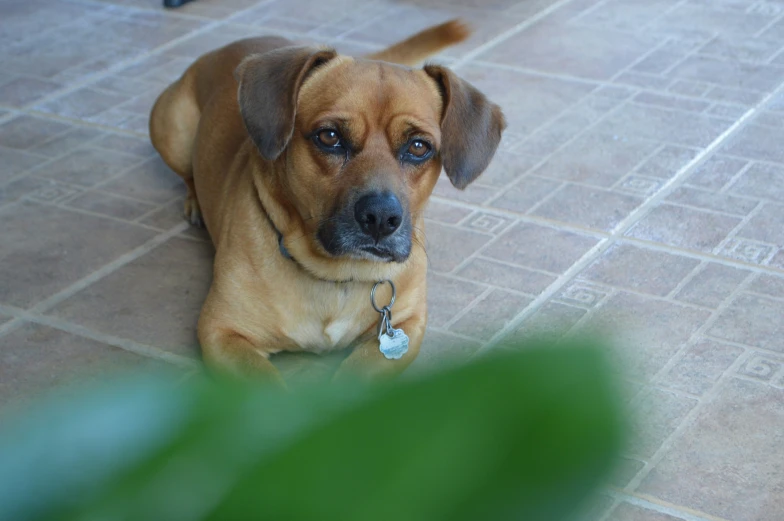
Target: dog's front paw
{"type": "Point", "coordinates": [192, 211]}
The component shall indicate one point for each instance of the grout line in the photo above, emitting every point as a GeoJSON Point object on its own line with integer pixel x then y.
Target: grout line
{"type": "Point", "coordinates": [463, 60]}
{"type": "Point", "coordinates": [461, 336]}
{"type": "Point", "coordinates": [738, 227]}
{"type": "Point", "coordinates": [145, 10]}
{"type": "Point", "coordinates": [549, 74]}
{"type": "Point", "coordinates": [668, 187]}
{"type": "Point", "coordinates": [699, 268]}
{"type": "Point", "coordinates": [590, 312]}
{"type": "Point", "coordinates": [563, 146]}
{"type": "Point", "coordinates": [774, 20]}
{"type": "Point", "coordinates": [105, 270]}
{"type": "Point", "coordinates": [662, 507]}
{"type": "Point", "coordinates": [707, 397]}
{"type": "Point", "coordinates": [615, 503]}
{"type": "Point", "coordinates": [550, 223]}
{"type": "Point", "coordinates": [599, 234]}
{"type": "Point", "coordinates": [550, 291]}
{"type": "Point", "coordinates": [629, 69]}
{"type": "Point", "coordinates": [757, 349]}
{"type": "Point", "coordinates": [84, 332]}
{"type": "Point", "coordinates": [630, 220]}
{"type": "Point", "coordinates": [122, 64]}
{"type": "Point", "coordinates": [725, 188]}
{"type": "Point", "coordinates": [460, 314]}
{"type": "Point", "coordinates": [701, 332]}
{"type": "Point", "coordinates": [81, 122]}
{"type": "Point", "coordinates": [92, 78]}
{"type": "Point", "coordinates": [474, 255]}
{"type": "Point", "coordinates": [64, 206]}
{"type": "Point", "coordinates": [98, 191]}
{"type": "Point", "coordinates": [713, 211]}
{"type": "Point", "coordinates": [635, 170]}
{"type": "Point", "coordinates": [637, 89]}
{"type": "Point", "coordinates": [578, 18]}
{"type": "Point", "coordinates": [157, 209]}
{"type": "Point", "coordinates": [487, 285]}
{"type": "Point", "coordinates": [12, 325]}
{"type": "Point", "coordinates": [547, 198]}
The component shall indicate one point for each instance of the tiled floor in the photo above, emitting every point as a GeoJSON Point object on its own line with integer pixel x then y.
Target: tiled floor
{"type": "Point", "coordinates": [639, 192]}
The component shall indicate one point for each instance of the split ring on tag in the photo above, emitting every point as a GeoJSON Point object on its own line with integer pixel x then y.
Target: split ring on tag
{"type": "Point", "coordinates": [373, 295]}
{"type": "Point", "coordinates": [393, 343]}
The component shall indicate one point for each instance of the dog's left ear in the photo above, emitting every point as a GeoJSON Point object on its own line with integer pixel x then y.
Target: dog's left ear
{"type": "Point", "coordinates": [471, 127]}
{"type": "Point", "coordinates": [268, 88]}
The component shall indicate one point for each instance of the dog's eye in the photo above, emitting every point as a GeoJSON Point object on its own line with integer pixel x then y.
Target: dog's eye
{"type": "Point", "coordinates": [417, 151]}
{"type": "Point", "coordinates": [418, 148]}
{"type": "Point", "coordinates": [328, 138]}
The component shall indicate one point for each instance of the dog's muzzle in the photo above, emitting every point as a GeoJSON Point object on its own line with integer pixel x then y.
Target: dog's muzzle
{"type": "Point", "coordinates": [376, 227]}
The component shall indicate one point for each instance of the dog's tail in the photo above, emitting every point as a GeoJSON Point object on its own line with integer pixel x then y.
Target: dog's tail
{"type": "Point", "coordinates": [422, 45]}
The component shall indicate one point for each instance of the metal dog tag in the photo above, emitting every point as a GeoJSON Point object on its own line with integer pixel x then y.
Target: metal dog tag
{"type": "Point", "coordinates": [393, 343]}
{"type": "Point", "coordinates": [395, 346]}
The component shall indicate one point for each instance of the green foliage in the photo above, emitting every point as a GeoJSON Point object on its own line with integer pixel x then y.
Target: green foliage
{"type": "Point", "coordinates": [518, 435]}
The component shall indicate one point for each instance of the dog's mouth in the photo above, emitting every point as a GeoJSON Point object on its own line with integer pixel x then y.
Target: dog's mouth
{"type": "Point", "coordinates": [382, 254]}
{"type": "Point", "coordinates": [340, 238]}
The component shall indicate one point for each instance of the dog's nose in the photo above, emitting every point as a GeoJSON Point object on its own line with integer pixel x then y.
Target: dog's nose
{"type": "Point", "coordinates": [379, 215]}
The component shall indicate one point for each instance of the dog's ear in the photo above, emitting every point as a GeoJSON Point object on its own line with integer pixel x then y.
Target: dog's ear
{"type": "Point", "coordinates": [268, 87]}
{"type": "Point", "coordinates": [471, 127]}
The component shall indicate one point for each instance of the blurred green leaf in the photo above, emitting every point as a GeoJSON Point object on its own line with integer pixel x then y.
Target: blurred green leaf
{"type": "Point", "coordinates": [518, 435]}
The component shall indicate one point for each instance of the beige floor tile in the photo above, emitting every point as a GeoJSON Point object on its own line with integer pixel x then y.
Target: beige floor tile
{"type": "Point", "coordinates": [35, 359]}
{"type": "Point", "coordinates": [655, 418]}
{"type": "Point", "coordinates": [645, 332]}
{"type": "Point", "coordinates": [447, 247]}
{"type": "Point", "coordinates": [567, 49]}
{"type": "Point", "coordinates": [711, 285]}
{"type": "Point", "coordinates": [539, 247]}
{"type": "Point", "coordinates": [588, 207]}
{"type": "Point", "coordinates": [440, 350]}
{"type": "Point", "coordinates": [503, 275]}
{"type": "Point", "coordinates": [153, 300]}
{"type": "Point", "coordinates": [701, 366]}
{"type": "Point", "coordinates": [638, 269]}
{"type": "Point", "coordinates": [752, 320]}
{"type": "Point", "coordinates": [684, 227]}
{"type": "Point", "coordinates": [629, 512]}
{"type": "Point", "coordinates": [45, 249]}
{"type": "Point", "coordinates": [724, 464]}
{"type": "Point", "coordinates": [446, 297]}
{"type": "Point", "coordinates": [490, 315]}
{"type": "Point", "coordinates": [151, 181]}
{"type": "Point", "coordinates": [25, 132]}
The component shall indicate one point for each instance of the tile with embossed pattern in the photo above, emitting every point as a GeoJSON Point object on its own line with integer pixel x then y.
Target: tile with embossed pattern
{"type": "Point", "coordinates": [725, 464]}
{"type": "Point", "coordinates": [645, 332]}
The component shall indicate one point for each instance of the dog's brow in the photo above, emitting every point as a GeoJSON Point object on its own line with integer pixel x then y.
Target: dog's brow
{"type": "Point", "coordinates": [332, 118]}
{"type": "Point", "coordinates": [411, 125]}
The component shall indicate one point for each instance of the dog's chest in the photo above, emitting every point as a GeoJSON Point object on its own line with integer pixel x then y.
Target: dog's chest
{"type": "Point", "coordinates": [335, 320]}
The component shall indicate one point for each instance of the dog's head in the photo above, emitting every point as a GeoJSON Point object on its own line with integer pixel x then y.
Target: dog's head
{"type": "Point", "coordinates": [360, 144]}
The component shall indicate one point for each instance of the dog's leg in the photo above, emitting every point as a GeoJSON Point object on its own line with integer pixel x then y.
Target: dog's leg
{"type": "Point", "coordinates": [367, 362]}
{"type": "Point", "coordinates": [173, 124]}
{"type": "Point", "coordinates": [232, 353]}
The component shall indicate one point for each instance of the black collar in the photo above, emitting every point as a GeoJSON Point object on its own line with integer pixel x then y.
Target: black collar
{"type": "Point", "coordinates": [286, 255]}
{"type": "Point", "coordinates": [281, 247]}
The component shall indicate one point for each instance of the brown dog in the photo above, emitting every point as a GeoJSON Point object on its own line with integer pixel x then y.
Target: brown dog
{"type": "Point", "coordinates": [311, 172]}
